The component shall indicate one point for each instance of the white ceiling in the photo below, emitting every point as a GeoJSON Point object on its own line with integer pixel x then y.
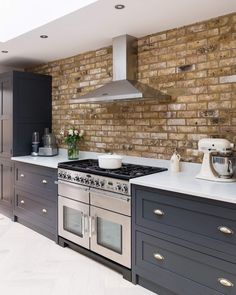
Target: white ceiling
{"type": "Point", "coordinates": [94, 26]}
{"type": "Point", "coordinates": [37, 13]}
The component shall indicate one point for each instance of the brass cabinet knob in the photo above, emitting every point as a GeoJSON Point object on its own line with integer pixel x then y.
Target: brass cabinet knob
{"type": "Point", "coordinates": [225, 230]}
{"type": "Point", "coordinates": [22, 201]}
{"type": "Point", "coordinates": [226, 283]}
{"type": "Point", "coordinates": [22, 175]}
{"type": "Point", "coordinates": [44, 181]}
{"type": "Point", "coordinates": [158, 212]}
{"type": "Point", "coordinates": [44, 210]}
{"type": "Point", "coordinates": [158, 256]}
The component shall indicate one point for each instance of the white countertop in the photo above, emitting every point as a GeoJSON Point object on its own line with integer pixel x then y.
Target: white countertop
{"type": "Point", "coordinates": [182, 182]}
{"type": "Point", "coordinates": [185, 182]}
{"type": "Point", "coordinates": [50, 162]}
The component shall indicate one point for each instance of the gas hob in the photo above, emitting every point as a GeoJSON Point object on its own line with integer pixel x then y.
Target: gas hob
{"type": "Point", "coordinates": [126, 172]}
{"type": "Point", "coordinates": [88, 173]}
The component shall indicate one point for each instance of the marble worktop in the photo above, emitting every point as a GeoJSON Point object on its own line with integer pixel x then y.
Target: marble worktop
{"type": "Point", "coordinates": [186, 182]}
{"type": "Point", "coordinates": [183, 182]}
{"type": "Point", "coordinates": [50, 162]}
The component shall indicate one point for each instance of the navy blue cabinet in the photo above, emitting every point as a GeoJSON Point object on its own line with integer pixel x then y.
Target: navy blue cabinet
{"type": "Point", "coordinates": [25, 106]}
{"type": "Point", "coordinates": [35, 198]}
{"type": "Point", "coordinates": [183, 245]}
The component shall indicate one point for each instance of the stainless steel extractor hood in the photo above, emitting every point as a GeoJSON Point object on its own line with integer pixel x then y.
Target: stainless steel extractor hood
{"type": "Point", "coordinates": [124, 85]}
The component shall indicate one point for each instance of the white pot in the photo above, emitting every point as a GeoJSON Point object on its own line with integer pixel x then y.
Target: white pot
{"type": "Point", "coordinates": [109, 161]}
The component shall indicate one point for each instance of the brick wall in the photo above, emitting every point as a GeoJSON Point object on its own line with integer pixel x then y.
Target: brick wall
{"type": "Point", "coordinates": [203, 97]}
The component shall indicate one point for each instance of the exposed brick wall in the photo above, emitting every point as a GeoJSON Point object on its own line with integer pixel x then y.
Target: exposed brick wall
{"type": "Point", "coordinates": [203, 99]}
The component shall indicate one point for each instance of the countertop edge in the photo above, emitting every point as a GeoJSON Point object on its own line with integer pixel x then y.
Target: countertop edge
{"type": "Point", "coordinates": [186, 192]}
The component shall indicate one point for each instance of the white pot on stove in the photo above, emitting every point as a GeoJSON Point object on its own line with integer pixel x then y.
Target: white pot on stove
{"type": "Point", "coordinates": [110, 161]}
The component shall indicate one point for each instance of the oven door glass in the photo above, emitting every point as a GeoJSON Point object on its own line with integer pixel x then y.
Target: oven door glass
{"type": "Point", "coordinates": [111, 235]}
{"type": "Point", "coordinates": [73, 221]}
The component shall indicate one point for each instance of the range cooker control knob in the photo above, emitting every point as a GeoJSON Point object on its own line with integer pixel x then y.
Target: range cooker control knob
{"type": "Point", "coordinates": [96, 182]}
{"type": "Point", "coordinates": [76, 178]}
{"type": "Point", "coordinates": [86, 180]}
{"type": "Point", "coordinates": [81, 179]}
{"type": "Point", "coordinates": [102, 183]}
{"type": "Point", "coordinates": [59, 174]}
{"type": "Point", "coordinates": [68, 176]}
{"type": "Point", "coordinates": [118, 187]}
{"type": "Point", "coordinates": [124, 189]}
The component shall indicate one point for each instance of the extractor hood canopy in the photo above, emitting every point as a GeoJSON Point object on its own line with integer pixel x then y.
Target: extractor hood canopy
{"type": "Point", "coordinates": [124, 85]}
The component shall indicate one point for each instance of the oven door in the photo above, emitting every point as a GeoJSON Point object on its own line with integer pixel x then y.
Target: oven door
{"type": "Point", "coordinates": [73, 219]}
{"type": "Point", "coordinates": [111, 235]}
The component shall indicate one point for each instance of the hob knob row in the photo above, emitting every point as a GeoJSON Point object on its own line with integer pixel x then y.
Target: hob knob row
{"type": "Point", "coordinates": [122, 188]}
{"type": "Point", "coordinates": [64, 175]}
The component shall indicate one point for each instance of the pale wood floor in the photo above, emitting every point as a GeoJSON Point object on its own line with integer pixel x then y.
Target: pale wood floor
{"type": "Point", "coordinates": [31, 264]}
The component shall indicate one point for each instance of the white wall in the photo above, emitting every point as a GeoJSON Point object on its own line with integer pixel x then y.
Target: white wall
{"type": "Point", "coordinates": [4, 69]}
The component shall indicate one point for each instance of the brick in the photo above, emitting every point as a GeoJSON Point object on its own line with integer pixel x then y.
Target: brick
{"type": "Point", "coordinates": [208, 65]}
{"type": "Point", "coordinates": [196, 44]}
{"type": "Point", "coordinates": [197, 106]}
{"type": "Point", "coordinates": [219, 105]}
{"type": "Point", "coordinates": [176, 122]}
{"type": "Point", "coordinates": [228, 79]}
{"type": "Point", "coordinates": [227, 62]}
{"type": "Point", "coordinates": [187, 114]}
{"type": "Point", "coordinates": [177, 107]}
{"type": "Point", "coordinates": [219, 88]}
{"type": "Point", "coordinates": [157, 38]}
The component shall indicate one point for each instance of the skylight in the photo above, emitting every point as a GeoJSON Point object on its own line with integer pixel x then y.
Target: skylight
{"type": "Point", "coordinates": [20, 16]}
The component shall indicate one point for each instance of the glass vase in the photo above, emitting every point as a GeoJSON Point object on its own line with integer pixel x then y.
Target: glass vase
{"type": "Point", "coordinates": [73, 151]}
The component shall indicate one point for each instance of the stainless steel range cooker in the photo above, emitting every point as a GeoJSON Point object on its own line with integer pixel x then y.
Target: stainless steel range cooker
{"type": "Point", "coordinates": [94, 207]}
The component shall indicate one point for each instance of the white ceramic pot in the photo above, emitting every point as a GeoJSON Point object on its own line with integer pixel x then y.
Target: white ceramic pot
{"type": "Point", "coordinates": [109, 161]}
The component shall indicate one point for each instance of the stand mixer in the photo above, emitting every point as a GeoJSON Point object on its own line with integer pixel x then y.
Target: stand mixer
{"type": "Point", "coordinates": [218, 162]}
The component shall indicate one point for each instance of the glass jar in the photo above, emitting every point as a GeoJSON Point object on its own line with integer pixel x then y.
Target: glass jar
{"type": "Point", "coordinates": [73, 151]}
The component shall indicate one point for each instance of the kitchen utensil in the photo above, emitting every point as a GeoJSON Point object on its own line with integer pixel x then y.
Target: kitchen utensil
{"type": "Point", "coordinates": [50, 145]}
{"type": "Point", "coordinates": [35, 144]}
{"type": "Point", "coordinates": [224, 165]}
{"type": "Point", "coordinates": [110, 161]}
{"type": "Point", "coordinates": [217, 164]}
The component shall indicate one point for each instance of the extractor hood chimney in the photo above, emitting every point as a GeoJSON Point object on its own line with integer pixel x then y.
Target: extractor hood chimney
{"type": "Point", "coordinates": [124, 85]}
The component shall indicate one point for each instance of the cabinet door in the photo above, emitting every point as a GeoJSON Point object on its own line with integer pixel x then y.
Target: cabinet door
{"type": "Point", "coordinates": [6, 118]}
{"type": "Point", "coordinates": [6, 185]}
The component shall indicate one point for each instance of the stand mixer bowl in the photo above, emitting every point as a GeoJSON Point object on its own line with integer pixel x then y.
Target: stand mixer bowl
{"type": "Point", "coordinates": [224, 165]}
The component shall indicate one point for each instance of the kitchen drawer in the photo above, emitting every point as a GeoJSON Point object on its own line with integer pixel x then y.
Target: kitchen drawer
{"type": "Point", "coordinates": [35, 178]}
{"type": "Point", "coordinates": [182, 270]}
{"type": "Point", "coordinates": [35, 209]}
{"type": "Point", "coordinates": [190, 218]}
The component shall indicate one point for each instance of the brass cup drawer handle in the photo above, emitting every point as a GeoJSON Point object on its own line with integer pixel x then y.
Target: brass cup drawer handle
{"type": "Point", "coordinates": [44, 181]}
{"type": "Point", "coordinates": [22, 201]}
{"type": "Point", "coordinates": [225, 230]}
{"type": "Point", "coordinates": [22, 175]}
{"type": "Point", "coordinates": [44, 210]}
{"type": "Point", "coordinates": [158, 256]}
{"type": "Point", "coordinates": [226, 283]}
{"type": "Point", "coordinates": [158, 212]}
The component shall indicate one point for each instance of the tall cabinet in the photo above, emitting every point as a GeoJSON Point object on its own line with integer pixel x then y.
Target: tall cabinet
{"type": "Point", "coordinates": [25, 107]}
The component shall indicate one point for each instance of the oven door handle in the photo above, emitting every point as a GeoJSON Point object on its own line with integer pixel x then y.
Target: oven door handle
{"type": "Point", "coordinates": [90, 226]}
{"type": "Point", "coordinates": [109, 194]}
{"type": "Point", "coordinates": [83, 225]}
{"type": "Point", "coordinates": [86, 224]}
{"type": "Point", "coordinates": [77, 186]}
{"type": "Point", "coordinates": [94, 224]}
